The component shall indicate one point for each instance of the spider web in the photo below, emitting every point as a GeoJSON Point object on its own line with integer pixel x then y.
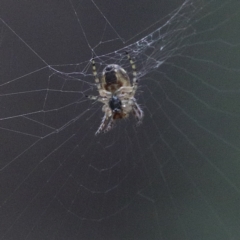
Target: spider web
{"type": "Point", "coordinates": [174, 177]}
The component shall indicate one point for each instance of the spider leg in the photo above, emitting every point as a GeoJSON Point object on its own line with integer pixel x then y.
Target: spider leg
{"type": "Point", "coordinates": [94, 70]}
{"type": "Point", "coordinates": [106, 116]}
{"type": "Point", "coordinates": [137, 112]}
{"type": "Point", "coordinates": [97, 98]}
{"type": "Point", "coordinates": [110, 125]}
{"type": "Point", "coordinates": [135, 80]}
{"type": "Point", "coordinates": [92, 97]}
{"type": "Point", "coordinates": [103, 124]}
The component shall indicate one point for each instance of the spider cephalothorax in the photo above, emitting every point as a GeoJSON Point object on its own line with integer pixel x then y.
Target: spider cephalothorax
{"type": "Point", "coordinates": [117, 94]}
{"type": "Point", "coordinates": [115, 104]}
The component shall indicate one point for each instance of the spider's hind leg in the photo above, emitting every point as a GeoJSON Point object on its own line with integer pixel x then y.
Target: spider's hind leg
{"type": "Point", "coordinates": [134, 69]}
{"type": "Point", "coordinates": [94, 70]}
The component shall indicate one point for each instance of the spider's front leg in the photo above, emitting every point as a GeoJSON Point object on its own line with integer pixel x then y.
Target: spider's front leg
{"type": "Point", "coordinates": [103, 124]}
{"type": "Point", "coordinates": [109, 126]}
{"type": "Point", "coordinates": [137, 112]}
{"type": "Point", "coordinates": [106, 116]}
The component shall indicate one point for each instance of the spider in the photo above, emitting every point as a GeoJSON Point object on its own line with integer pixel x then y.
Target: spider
{"type": "Point", "coordinates": [117, 94]}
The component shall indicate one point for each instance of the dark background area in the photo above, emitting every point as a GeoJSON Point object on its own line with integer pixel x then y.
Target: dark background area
{"type": "Point", "coordinates": [174, 177]}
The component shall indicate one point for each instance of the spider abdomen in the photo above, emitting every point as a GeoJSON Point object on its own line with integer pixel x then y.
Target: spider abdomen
{"type": "Point", "coordinates": [114, 77]}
